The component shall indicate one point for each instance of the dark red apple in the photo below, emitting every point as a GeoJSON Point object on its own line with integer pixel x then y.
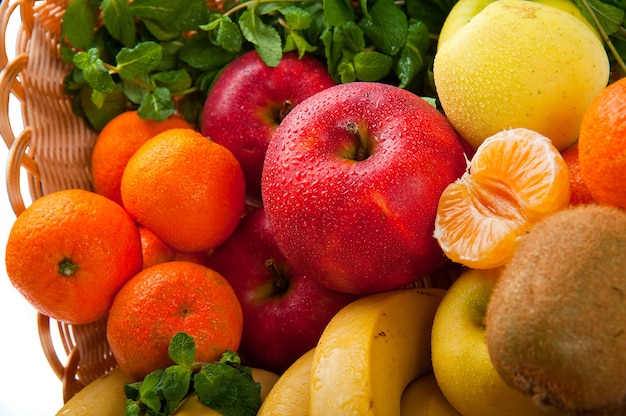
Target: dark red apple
{"type": "Point", "coordinates": [284, 311]}
{"type": "Point", "coordinates": [248, 101]}
{"type": "Point", "coordinates": [351, 183]}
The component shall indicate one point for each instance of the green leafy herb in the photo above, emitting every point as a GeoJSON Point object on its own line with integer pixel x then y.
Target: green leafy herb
{"type": "Point", "coordinates": [160, 56]}
{"type": "Point", "coordinates": [226, 385]}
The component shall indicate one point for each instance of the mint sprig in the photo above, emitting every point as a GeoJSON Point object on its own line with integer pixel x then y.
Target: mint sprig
{"type": "Point", "coordinates": [225, 386]}
{"type": "Point", "coordinates": [158, 56]}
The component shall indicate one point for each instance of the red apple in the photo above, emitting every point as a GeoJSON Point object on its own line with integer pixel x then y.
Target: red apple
{"type": "Point", "coordinates": [351, 183]}
{"type": "Point", "coordinates": [249, 100]}
{"type": "Point", "coordinates": [284, 311]}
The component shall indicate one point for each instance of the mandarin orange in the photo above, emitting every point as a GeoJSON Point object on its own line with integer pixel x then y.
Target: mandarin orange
{"type": "Point", "coordinates": [156, 251]}
{"type": "Point", "coordinates": [168, 298]}
{"type": "Point", "coordinates": [70, 252]}
{"type": "Point", "coordinates": [115, 145]}
{"type": "Point", "coordinates": [602, 145]}
{"type": "Point", "coordinates": [185, 188]}
{"type": "Point", "coordinates": [580, 192]}
{"type": "Point", "coordinates": [515, 178]}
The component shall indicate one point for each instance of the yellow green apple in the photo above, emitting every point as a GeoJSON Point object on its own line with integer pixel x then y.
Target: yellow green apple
{"type": "Point", "coordinates": [520, 64]}
{"type": "Point", "coordinates": [460, 358]}
{"type": "Point", "coordinates": [463, 11]}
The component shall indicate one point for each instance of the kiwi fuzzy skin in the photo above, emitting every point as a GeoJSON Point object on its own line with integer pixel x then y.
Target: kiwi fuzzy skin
{"type": "Point", "coordinates": [556, 321]}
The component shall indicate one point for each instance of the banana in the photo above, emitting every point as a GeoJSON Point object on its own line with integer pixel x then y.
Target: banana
{"type": "Point", "coordinates": [370, 351]}
{"type": "Point", "coordinates": [267, 379]}
{"type": "Point", "coordinates": [102, 397]}
{"type": "Point", "coordinates": [423, 397]}
{"type": "Point", "coordinates": [290, 394]}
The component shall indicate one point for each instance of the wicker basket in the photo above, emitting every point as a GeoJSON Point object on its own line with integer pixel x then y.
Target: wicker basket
{"type": "Point", "coordinates": [54, 149]}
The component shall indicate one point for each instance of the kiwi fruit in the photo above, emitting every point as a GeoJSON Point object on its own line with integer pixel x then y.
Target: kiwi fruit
{"type": "Point", "coordinates": [556, 321]}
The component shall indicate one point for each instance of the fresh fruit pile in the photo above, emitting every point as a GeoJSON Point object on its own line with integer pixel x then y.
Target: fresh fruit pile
{"type": "Point", "coordinates": [278, 184]}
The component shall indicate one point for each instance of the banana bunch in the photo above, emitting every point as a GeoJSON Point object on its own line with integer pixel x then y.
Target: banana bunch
{"type": "Point", "coordinates": [367, 356]}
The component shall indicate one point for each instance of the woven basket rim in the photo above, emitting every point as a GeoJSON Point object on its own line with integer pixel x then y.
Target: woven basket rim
{"type": "Point", "coordinates": [53, 149]}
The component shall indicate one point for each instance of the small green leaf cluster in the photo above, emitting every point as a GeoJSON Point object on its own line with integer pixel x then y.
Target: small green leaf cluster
{"type": "Point", "coordinates": [160, 56]}
{"type": "Point", "coordinates": [141, 55]}
{"type": "Point", "coordinates": [608, 16]}
{"type": "Point", "coordinates": [225, 386]}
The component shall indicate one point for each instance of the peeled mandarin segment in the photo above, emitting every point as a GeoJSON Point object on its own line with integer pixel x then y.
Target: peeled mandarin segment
{"type": "Point", "coordinates": [468, 232]}
{"type": "Point", "coordinates": [516, 178]}
{"type": "Point", "coordinates": [532, 168]}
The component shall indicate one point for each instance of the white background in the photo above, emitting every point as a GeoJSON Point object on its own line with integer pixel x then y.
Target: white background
{"type": "Point", "coordinates": [29, 386]}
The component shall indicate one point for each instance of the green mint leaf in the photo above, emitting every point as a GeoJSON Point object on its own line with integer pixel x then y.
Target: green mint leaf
{"type": "Point", "coordinates": [346, 71]}
{"type": "Point", "coordinates": [264, 37]}
{"type": "Point", "coordinates": [131, 390]}
{"type": "Point", "coordinates": [228, 389]}
{"type": "Point", "coordinates": [135, 91]}
{"type": "Point", "coordinates": [94, 71]}
{"type": "Point", "coordinates": [609, 16]}
{"type": "Point", "coordinates": [157, 105]}
{"type": "Point", "coordinates": [223, 32]}
{"type": "Point", "coordinates": [169, 55]}
{"type": "Point", "coordinates": [338, 12]}
{"type": "Point", "coordinates": [98, 98]}
{"type": "Point", "coordinates": [67, 53]}
{"type": "Point", "coordinates": [131, 408]}
{"type": "Point", "coordinates": [177, 80]}
{"type": "Point", "coordinates": [149, 394]}
{"type": "Point", "coordinates": [174, 385]}
{"type": "Point", "coordinates": [182, 349]}
{"type": "Point", "coordinates": [138, 61]}
{"type": "Point", "coordinates": [159, 32]}
{"type": "Point", "coordinates": [172, 15]}
{"type": "Point", "coordinates": [295, 41]}
{"type": "Point", "coordinates": [79, 22]}
{"type": "Point", "coordinates": [231, 358]}
{"type": "Point", "coordinates": [387, 27]}
{"type": "Point", "coordinates": [413, 56]}
{"type": "Point", "coordinates": [201, 54]}
{"type": "Point", "coordinates": [372, 65]}
{"type": "Point", "coordinates": [296, 17]}
{"type": "Point", "coordinates": [119, 21]}
{"type": "Point", "coordinates": [350, 37]}
{"type": "Point", "coordinates": [340, 45]}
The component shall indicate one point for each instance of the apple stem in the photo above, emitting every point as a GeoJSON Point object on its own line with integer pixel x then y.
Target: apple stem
{"type": "Point", "coordinates": [280, 283]}
{"type": "Point", "coordinates": [286, 108]}
{"type": "Point", "coordinates": [361, 152]}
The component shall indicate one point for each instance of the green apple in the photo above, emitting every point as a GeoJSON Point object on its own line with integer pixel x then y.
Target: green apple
{"type": "Point", "coordinates": [463, 11]}
{"type": "Point", "coordinates": [518, 64]}
{"type": "Point", "coordinates": [423, 397]}
{"type": "Point", "coordinates": [461, 362]}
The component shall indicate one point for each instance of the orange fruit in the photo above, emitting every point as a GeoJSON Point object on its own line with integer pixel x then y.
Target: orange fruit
{"type": "Point", "coordinates": [580, 192]}
{"type": "Point", "coordinates": [515, 178]}
{"type": "Point", "coordinates": [187, 189]}
{"type": "Point", "coordinates": [155, 251]}
{"type": "Point", "coordinates": [602, 145]}
{"type": "Point", "coordinates": [115, 145]}
{"type": "Point", "coordinates": [168, 298]}
{"type": "Point", "coordinates": [70, 252]}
